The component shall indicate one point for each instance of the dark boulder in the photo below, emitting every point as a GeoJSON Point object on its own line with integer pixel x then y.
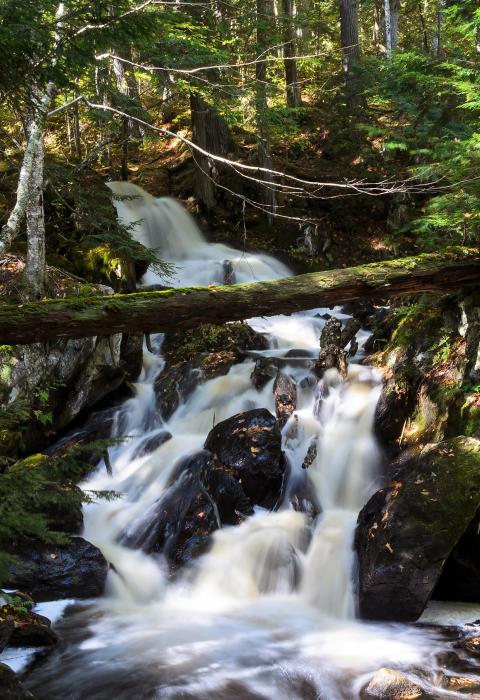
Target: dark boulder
{"type": "Point", "coordinates": [200, 497]}
{"type": "Point", "coordinates": [32, 630]}
{"type": "Point", "coordinates": [349, 331]}
{"type": "Point", "coordinates": [177, 382]}
{"type": "Point", "coordinates": [249, 445]}
{"type": "Point", "coordinates": [408, 530]}
{"type": "Point", "coordinates": [285, 393]}
{"type": "Point", "coordinates": [73, 570]}
{"type": "Point", "coordinates": [264, 371]}
{"type": "Point", "coordinates": [10, 686]}
{"type": "Point", "coordinates": [7, 626]}
{"type": "Point", "coordinates": [332, 354]}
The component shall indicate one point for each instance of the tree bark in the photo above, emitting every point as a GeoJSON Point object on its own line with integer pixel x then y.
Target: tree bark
{"type": "Point", "coordinates": [439, 21]}
{"type": "Point", "coordinates": [294, 98]}
{"type": "Point", "coordinates": [210, 132]}
{"type": "Point", "coordinates": [395, 10]}
{"type": "Point", "coordinates": [388, 29]}
{"type": "Point", "coordinates": [264, 11]}
{"type": "Point", "coordinates": [35, 267]}
{"type": "Point", "coordinates": [151, 312]}
{"type": "Point", "coordinates": [12, 228]}
{"type": "Point", "coordinates": [350, 43]}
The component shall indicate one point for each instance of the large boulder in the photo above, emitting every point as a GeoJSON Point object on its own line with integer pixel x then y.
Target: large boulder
{"type": "Point", "coordinates": [249, 445]}
{"type": "Point", "coordinates": [407, 531]}
{"type": "Point", "coordinates": [50, 385]}
{"type": "Point", "coordinates": [200, 498]}
{"type": "Point", "coordinates": [76, 569]}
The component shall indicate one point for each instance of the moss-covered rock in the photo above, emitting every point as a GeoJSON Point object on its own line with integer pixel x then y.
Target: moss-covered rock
{"type": "Point", "coordinates": [407, 530]}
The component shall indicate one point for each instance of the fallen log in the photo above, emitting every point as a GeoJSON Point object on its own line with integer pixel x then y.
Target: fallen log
{"type": "Point", "coordinates": [153, 312]}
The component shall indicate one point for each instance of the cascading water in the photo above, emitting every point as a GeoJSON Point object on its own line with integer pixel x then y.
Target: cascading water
{"type": "Point", "coordinates": [268, 612]}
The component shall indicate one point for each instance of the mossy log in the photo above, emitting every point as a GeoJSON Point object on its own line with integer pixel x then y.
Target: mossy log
{"type": "Point", "coordinates": [151, 312]}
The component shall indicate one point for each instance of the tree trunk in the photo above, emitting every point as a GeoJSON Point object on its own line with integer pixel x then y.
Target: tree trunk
{"type": "Point", "coordinates": [388, 29]}
{"type": "Point", "coordinates": [395, 10]}
{"type": "Point", "coordinates": [439, 21]}
{"type": "Point", "coordinates": [152, 312]}
{"type": "Point", "coordinates": [12, 228]}
{"type": "Point", "coordinates": [34, 273]}
{"type": "Point", "coordinates": [269, 197]}
{"type": "Point", "coordinates": [350, 46]}
{"type": "Point", "coordinates": [423, 24]}
{"type": "Point", "coordinates": [210, 132]}
{"type": "Point", "coordinates": [294, 98]}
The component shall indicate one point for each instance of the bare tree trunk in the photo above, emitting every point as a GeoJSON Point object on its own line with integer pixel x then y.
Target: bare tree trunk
{"type": "Point", "coordinates": [377, 14]}
{"type": "Point", "coordinates": [439, 21]}
{"type": "Point", "coordinates": [264, 11]}
{"type": "Point", "coordinates": [423, 23]}
{"type": "Point", "coordinates": [388, 29]}
{"type": "Point", "coordinates": [395, 10]}
{"type": "Point", "coordinates": [76, 129]}
{"type": "Point", "coordinates": [34, 273]}
{"type": "Point", "coordinates": [12, 228]}
{"type": "Point", "coordinates": [153, 312]}
{"type": "Point", "coordinates": [210, 132]}
{"type": "Point", "coordinates": [294, 98]}
{"type": "Point", "coordinates": [350, 46]}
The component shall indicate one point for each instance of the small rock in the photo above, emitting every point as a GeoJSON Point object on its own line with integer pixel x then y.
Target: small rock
{"type": "Point", "coordinates": [285, 393]}
{"type": "Point", "coordinates": [387, 684]}
{"type": "Point", "coordinates": [151, 444]}
{"type": "Point", "coordinates": [33, 631]}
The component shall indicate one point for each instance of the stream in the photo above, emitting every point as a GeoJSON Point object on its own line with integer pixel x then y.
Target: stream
{"type": "Point", "coordinates": [269, 611]}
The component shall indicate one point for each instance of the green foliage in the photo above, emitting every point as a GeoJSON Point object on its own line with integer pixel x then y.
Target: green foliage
{"type": "Point", "coordinates": [38, 493]}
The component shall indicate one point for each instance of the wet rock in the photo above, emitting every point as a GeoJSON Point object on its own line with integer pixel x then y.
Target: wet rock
{"type": "Point", "coordinates": [73, 570]}
{"type": "Point", "coordinates": [472, 645]}
{"type": "Point", "coordinates": [200, 498]}
{"type": "Point", "coordinates": [151, 444]}
{"type": "Point", "coordinates": [7, 627]}
{"type": "Point", "coordinates": [32, 630]}
{"type": "Point", "coordinates": [98, 426]}
{"type": "Point", "coordinates": [302, 498]}
{"type": "Point", "coordinates": [352, 348]}
{"type": "Point", "coordinates": [407, 530]}
{"type": "Point", "coordinates": [331, 333]}
{"type": "Point", "coordinates": [264, 371]}
{"type": "Point", "coordinates": [462, 684]}
{"type": "Point", "coordinates": [349, 331]}
{"type": "Point", "coordinates": [10, 686]}
{"type": "Point", "coordinates": [285, 393]}
{"type": "Point", "coordinates": [249, 444]}
{"type": "Point", "coordinates": [228, 272]}
{"type": "Point", "coordinates": [311, 455]}
{"type": "Point", "coordinates": [177, 382]}
{"type": "Point", "coordinates": [388, 684]}
{"type": "Point", "coordinates": [332, 354]}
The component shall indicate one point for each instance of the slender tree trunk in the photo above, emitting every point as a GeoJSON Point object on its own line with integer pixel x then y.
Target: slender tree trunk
{"type": "Point", "coordinates": [388, 29]}
{"type": "Point", "coordinates": [350, 43]}
{"type": "Point", "coordinates": [153, 312]}
{"type": "Point", "coordinates": [264, 11]}
{"type": "Point", "coordinates": [294, 98]}
{"type": "Point", "coordinates": [34, 273]}
{"type": "Point", "coordinates": [423, 24]}
{"type": "Point", "coordinates": [395, 10]}
{"type": "Point", "coordinates": [76, 129]}
{"type": "Point", "coordinates": [376, 32]}
{"type": "Point", "coordinates": [439, 22]}
{"type": "Point", "coordinates": [12, 228]}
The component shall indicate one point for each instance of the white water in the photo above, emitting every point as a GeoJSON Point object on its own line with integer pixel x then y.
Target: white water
{"type": "Point", "coordinates": [269, 611]}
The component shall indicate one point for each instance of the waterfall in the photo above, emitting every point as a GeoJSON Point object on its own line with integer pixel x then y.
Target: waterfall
{"type": "Point", "coordinates": [271, 605]}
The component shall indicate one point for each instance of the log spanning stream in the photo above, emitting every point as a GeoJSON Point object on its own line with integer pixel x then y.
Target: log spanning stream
{"type": "Point", "coordinates": [268, 612]}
